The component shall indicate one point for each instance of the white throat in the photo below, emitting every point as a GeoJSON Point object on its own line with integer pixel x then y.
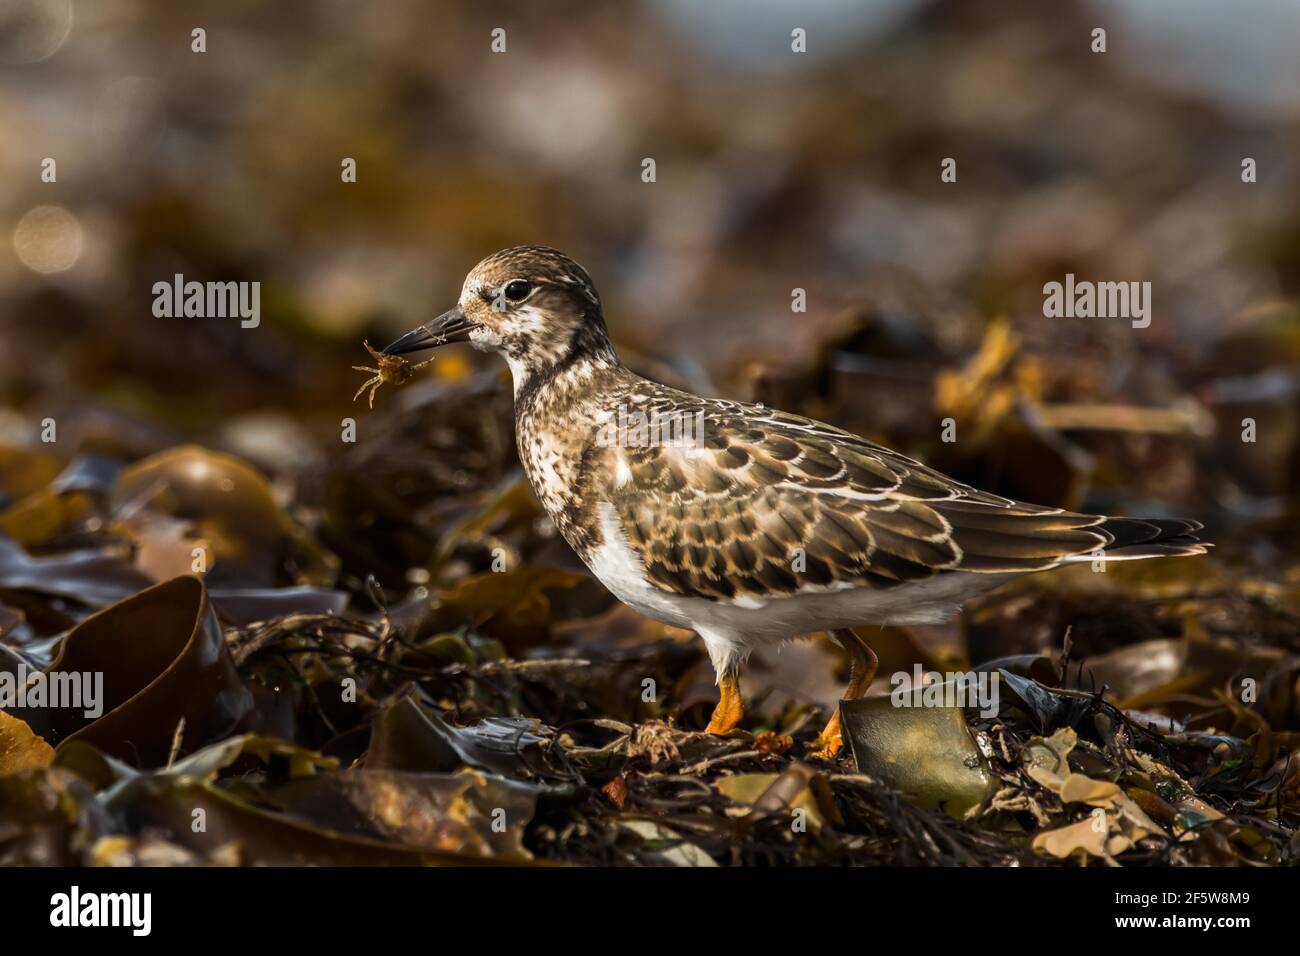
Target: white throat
{"type": "Point", "coordinates": [519, 372]}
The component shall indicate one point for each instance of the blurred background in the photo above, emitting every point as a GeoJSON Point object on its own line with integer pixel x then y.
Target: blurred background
{"type": "Point", "coordinates": [398, 546]}
{"type": "Point", "coordinates": [775, 171]}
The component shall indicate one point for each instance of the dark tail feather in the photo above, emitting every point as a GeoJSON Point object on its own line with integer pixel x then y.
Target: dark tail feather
{"type": "Point", "coordinates": [1133, 538]}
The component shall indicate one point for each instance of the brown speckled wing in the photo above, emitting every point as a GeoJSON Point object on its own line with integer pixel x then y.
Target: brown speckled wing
{"type": "Point", "coordinates": [771, 504]}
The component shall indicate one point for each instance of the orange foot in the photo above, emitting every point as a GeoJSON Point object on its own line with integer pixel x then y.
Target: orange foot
{"type": "Point", "coordinates": [831, 739]}
{"type": "Point", "coordinates": [862, 671]}
{"type": "Point", "coordinates": [730, 707]}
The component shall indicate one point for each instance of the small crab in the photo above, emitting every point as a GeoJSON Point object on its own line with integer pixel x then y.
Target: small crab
{"type": "Point", "coordinates": [392, 368]}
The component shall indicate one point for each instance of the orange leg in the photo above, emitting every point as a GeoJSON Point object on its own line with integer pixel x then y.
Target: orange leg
{"type": "Point", "coordinates": [730, 707]}
{"type": "Point", "coordinates": [862, 671]}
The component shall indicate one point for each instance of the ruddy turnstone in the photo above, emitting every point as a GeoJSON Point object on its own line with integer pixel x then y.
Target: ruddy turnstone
{"type": "Point", "coordinates": [760, 526]}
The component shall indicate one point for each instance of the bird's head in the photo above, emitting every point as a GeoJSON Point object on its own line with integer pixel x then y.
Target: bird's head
{"type": "Point", "coordinates": [533, 304]}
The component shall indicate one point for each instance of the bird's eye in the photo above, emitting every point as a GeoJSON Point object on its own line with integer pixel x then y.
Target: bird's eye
{"type": "Point", "coordinates": [516, 290]}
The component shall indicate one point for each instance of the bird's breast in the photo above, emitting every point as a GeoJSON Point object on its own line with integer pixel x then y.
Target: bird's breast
{"type": "Point", "coordinates": [561, 459]}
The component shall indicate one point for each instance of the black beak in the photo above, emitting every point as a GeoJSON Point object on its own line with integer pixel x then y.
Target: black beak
{"type": "Point", "coordinates": [451, 326]}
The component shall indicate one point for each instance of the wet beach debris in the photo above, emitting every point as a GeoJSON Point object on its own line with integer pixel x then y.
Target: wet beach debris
{"type": "Point", "coordinates": [361, 657]}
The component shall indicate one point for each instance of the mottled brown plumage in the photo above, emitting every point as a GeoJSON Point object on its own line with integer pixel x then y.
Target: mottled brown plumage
{"type": "Point", "coordinates": [752, 524]}
{"type": "Point", "coordinates": [770, 492]}
{"type": "Point", "coordinates": [769, 488]}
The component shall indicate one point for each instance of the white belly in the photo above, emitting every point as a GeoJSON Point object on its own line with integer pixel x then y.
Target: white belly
{"type": "Point", "coordinates": [732, 630]}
